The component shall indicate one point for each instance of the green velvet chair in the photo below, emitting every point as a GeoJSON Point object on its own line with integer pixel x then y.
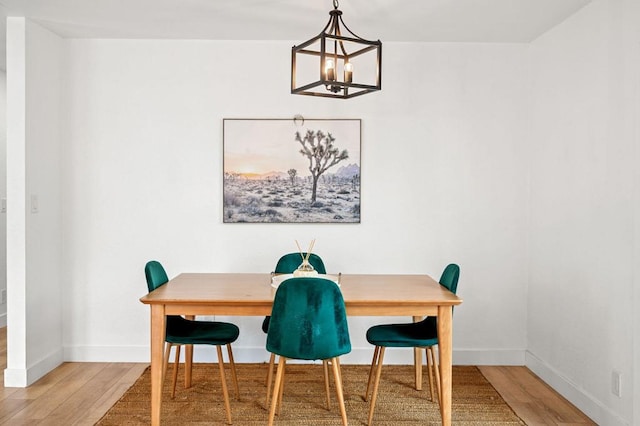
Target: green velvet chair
{"type": "Point", "coordinates": [289, 263]}
{"type": "Point", "coordinates": [422, 334]}
{"type": "Point", "coordinates": [181, 331]}
{"type": "Point", "coordinates": [286, 265]}
{"type": "Point", "coordinates": [308, 322]}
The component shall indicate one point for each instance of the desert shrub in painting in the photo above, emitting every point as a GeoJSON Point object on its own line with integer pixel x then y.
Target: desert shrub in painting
{"type": "Point", "coordinates": [337, 201]}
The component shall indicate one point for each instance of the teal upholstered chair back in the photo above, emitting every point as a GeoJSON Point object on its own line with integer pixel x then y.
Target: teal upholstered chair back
{"type": "Point", "coordinates": [450, 276]}
{"type": "Point", "coordinates": [157, 277]}
{"type": "Point", "coordinates": [290, 262]}
{"type": "Point", "coordinates": [308, 320]}
{"type": "Point", "coordinates": [155, 274]}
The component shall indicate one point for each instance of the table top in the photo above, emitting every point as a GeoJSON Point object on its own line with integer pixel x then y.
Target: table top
{"type": "Point", "coordinates": [252, 294]}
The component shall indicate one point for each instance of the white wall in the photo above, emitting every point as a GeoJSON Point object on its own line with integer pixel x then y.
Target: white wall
{"type": "Point", "coordinates": [3, 196]}
{"type": "Point", "coordinates": [16, 223]}
{"type": "Point", "coordinates": [584, 218]}
{"type": "Point", "coordinates": [442, 181]}
{"type": "Point", "coordinates": [44, 239]}
{"type": "Point", "coordinates": [34, 240]}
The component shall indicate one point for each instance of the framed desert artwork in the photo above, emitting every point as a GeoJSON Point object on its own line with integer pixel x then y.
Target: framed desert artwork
{"type": "Point", "coordinates": [291, 170]}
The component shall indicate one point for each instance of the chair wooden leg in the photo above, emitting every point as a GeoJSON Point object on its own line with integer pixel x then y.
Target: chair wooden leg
{"type": "Point", "coordinates": [374, 362]}
{"type": "Point", "coordinates": [276, 389]}
{"type": "Point", "coordinates": [325, 367]}
{"type": "Point", "coordinates": [374, 396]}
{"type": "Point", "coordinates": [430, 369]}
{"type": "Point", "coordinates": [272, 361]}
{"type": "Point", "coordinates": [284, 369]}
{"type": "Point", "coordinates": [165, 363]}
{"type": "Point", "coordinates": [437, 371]}
{"type": "Point", "coordinates": [223, 381]}
{"type": "Point", "coordinates": [340, 371]}
{"type": "Point", "coordinates": [417, 363]}
{"type": "Point", "coordinates": [175, 371]}
{"type": "Point", "coordinates": [337, 376]}
{"type": "Point", "coordinates": [417, 360]}
{"type": "Point", "coordinates": [234, 376]}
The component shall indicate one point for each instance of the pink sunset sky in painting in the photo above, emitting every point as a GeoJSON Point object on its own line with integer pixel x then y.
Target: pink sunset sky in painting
{"type": "Point", "coordinates": [263, 146]}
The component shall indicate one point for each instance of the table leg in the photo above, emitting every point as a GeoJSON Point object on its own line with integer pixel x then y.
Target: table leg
{"type": "Point", "coordinates": [417, 361]}
{"type": "Point", "coordinates": [188, 359]}
{"type": "Point", "coordinates": [188, 365]}
{"type": "Point", "coordinates": [445, 343]}
{"type": "Point", "coordinates": [158, 326]}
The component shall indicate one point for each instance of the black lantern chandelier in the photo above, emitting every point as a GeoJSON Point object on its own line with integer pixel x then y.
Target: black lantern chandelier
{"type": "Point", "coordinates": [336, 63]}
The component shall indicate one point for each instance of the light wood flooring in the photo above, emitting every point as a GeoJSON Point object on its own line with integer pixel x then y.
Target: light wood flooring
{"type": "Point", "coordinates": [80, 393]}
{"type": "Point", "coordinates": [535, 402]}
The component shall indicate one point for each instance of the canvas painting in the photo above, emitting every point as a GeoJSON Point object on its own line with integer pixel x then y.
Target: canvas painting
{"type": "Point", "coordinates": [291, 170]}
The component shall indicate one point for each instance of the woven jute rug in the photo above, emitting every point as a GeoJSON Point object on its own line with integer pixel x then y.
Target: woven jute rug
{"type": "Point", "coordinates": [474, 401]}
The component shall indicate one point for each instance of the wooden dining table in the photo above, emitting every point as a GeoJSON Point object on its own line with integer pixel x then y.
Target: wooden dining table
{"type": "Point", "coordinates": [251, 294]}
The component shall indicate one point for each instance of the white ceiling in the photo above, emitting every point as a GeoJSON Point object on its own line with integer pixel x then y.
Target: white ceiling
{"type": "Point", "coordinates": [493, 21]}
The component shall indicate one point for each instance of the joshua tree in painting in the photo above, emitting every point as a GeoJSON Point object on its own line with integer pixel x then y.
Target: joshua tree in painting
{"type": "Point", "coordinates": [318, 148]}
{"type": "Point", "coordinates": [292, 175]}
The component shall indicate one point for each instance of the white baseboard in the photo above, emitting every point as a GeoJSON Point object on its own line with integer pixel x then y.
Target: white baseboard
{"type": "Point", "coordinates": [252, 354]}
{"type": "Point", "coordinates": [21, 378]}
{"type": "Point", "coordinates": [489, 357]}
{"type": "Point", "coordinates": [404, 356]}
{"type": "Point", "coordinates": [107, 353]}
{"type": "Point", "coordinates": [3, 320]}
{"type": "Point", "coordinates": [585, 402]}
{"type": "Point", "coordinates": [201, 353]}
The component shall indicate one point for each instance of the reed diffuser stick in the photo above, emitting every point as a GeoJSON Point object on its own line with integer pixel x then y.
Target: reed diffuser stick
{"type": "Point", "coordinates": [310, 249]}
{"type": "Point", "coordinates": [300, 250]}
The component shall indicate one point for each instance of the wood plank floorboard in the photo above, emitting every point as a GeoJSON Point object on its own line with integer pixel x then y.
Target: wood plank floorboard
{"type": "Point", "coordinates": [80, 393]}
{"type": "Point", "coordinates": [535, 402]}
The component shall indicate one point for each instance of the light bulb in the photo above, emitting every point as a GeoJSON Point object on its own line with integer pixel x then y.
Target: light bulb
{"type": "Point", "coordinates": [348, 72]}
{"type": "Point", "coordinates": [330, 69]}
